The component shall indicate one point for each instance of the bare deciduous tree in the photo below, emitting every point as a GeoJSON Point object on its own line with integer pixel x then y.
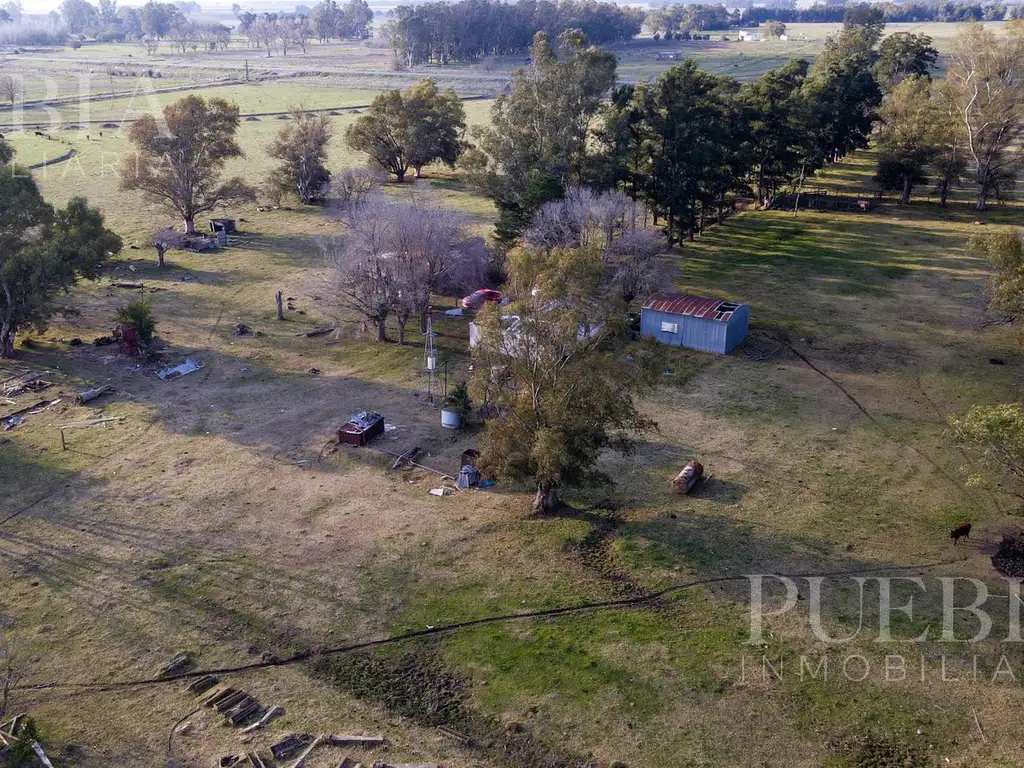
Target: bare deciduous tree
{"type": "Point", "coordinates": [360, 281]}
{"type": "Point", "coordinates": [609, 222]}
{"type": "Point", "coordinates": [986, 79]}
{"type": "Point", "coordinates": [8, 88]}
{"type": "Point", "coordinates": [10, 676]}
{"type": "Point", "coordinates": [294, 31]}
{"type": "Point", "coordinates": [353, 186]}
{"type": "Point", "coordinates": [265, 32]}
{"type": "Point", "coordinates": [396, 254]}
{"type": "Point", "coordinates": [632, 261]}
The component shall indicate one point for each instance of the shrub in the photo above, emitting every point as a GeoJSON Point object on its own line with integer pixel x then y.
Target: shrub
{"type": "Point", "coordinates": [22, 753]}
{"type": "Point", "coordinates": [139, 314]}
{"type": "Point", "coordinates": [458, 400]}
{"type": "Point", "coordinates": [76, 44]}
{"type": "Point", "coordinates": [353, 185]}
{"type": "Point", "coordinates": [995, 435]}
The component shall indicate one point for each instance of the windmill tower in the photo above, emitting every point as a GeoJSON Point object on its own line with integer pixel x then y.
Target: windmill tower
{"type": "Point", "coordinates": [430, 363]}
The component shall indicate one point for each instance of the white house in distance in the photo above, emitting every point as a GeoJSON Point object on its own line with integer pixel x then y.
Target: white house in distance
{"type": "Point", "coordinates": [748, 36]}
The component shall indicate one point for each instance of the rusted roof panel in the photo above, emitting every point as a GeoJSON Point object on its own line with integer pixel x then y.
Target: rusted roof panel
{"type": "Point", "coordinates": [692, 306]}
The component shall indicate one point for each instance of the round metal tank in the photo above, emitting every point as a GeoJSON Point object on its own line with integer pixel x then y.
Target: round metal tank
{"type": "Point", "coordinates": [450, 419]}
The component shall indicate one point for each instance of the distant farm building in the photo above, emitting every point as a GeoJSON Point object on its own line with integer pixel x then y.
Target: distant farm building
{"type": "Point", "coordinates": [694, 322]}
{"type": "Point", "coordinates": [750, 37]}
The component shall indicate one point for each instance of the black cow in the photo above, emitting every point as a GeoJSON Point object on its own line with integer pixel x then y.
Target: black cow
{"type": "Point", "coordinates": [961, 531]}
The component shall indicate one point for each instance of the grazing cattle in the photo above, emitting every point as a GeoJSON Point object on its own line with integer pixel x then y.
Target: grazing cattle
{"type": "Point", "coordinates": [961, 531]}
{"type": "Point", "coordinates": [40, 134]}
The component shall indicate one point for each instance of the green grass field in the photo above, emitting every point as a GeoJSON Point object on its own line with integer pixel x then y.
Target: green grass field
{"type": "Point", "coordinates": [210, 521]}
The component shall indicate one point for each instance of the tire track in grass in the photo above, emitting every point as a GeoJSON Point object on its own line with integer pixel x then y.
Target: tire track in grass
{"type": "Point", "coordinates": [943, 473]}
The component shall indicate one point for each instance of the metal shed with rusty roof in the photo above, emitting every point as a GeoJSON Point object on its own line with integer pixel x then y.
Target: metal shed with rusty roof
{"type": "Point", "coordinates": [695, 322]}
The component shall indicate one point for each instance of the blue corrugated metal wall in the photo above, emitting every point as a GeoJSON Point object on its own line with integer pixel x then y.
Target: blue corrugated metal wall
{"type": "Point", "coordinates": [706, 335]}
{"type": "Point", "coordinates": [650, 326]}
{"type": "Point", "coordinates": [696, 332]}
{"type": "Point", "coordinates": [737, 327]}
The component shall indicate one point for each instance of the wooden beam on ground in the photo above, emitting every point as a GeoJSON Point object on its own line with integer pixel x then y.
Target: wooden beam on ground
{"type": "Point", "coordinates": [92, 394]}
{"type": "Point", "coordinates": [269, 716]}
{"type": "Point", "coordinates": [301, 762]}
{"type": "Point", "coordinates": [364, 742]}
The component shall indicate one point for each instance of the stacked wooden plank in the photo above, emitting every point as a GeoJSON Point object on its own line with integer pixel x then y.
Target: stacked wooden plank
{"type": "Point", "coordinates": [235, 706]}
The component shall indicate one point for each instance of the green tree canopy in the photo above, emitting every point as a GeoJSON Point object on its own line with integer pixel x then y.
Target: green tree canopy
{"type": "Point", "coordinates": [986, 81]}
{"type": "Point", "coordinates": [1004, 251]}
{"type": "Point", "coordinates": [842, 88]}
{"type": "Point", "coordinates": [694, 140]}
{"type": "Point", "coordinates": [908, 139]}
{"type": "Point", "coordinates": [301, 148]}
{"type": "Point", "coordinates": [403, 130]}
{"type": "Point", "coordinates": [179, 158]}
{"type": "Point", "coordinates": [560, 377]}
{"type": "Point", "coordinates": [995, 434]}
{"type": "Point", "coordinates": [776, 110]}
{"type": "Point", "coordinates": [902, 55]}
{"type": "Point", "coordinates": [541, 129]}
{"type": "Point", "coordinates": [42, 252]}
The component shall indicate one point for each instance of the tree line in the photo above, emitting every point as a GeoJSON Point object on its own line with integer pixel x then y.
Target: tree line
{"type": "Point", "coordinates": [106, 21]}
{"type": "Point", "coordinates": [683, 20]}
{"type": "Point", "coordinates": [968, 127]}
{"type": "Point", "coordinates": [468, 30]}
{"type": "Point", "coordinates": [684, 144]}
{"type": "Point", "coordinates": [689, 143]}
{"type": "Point", "coordinates": [274, 31]}
{"type": "Point", "coordinates": [157, 21]}
{"type": "Point", "coordinates": [894, 13]}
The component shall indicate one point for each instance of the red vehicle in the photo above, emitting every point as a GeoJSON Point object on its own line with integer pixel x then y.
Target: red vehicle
{"type": "Point", "coordinates": [477, 299]}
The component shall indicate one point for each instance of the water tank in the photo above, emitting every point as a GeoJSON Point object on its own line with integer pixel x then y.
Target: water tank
{"type": "Point", "coordinates": [450, 419]}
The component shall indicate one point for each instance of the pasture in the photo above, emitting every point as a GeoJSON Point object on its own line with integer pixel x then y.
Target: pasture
{"type": "Point", "coordinates": [121, 69]}
{"type": "Point", "coordinates": [211, 521]}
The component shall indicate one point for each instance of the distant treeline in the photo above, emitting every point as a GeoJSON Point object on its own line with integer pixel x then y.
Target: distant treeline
{"type": "Point", "coordinates": [685, 19]}
{"type": "Point", "coordinates": [895, 13]}
{"type": "Point", "coordinates": [443, 32]}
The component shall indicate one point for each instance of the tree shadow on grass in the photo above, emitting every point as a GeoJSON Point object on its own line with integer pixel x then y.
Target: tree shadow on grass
{"type": "Point", "coordinates": [146, 271]}
{"type": "Point", "coordinates": [27, 477]}
{"type": "Point", "coordinates": [293, 250]}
